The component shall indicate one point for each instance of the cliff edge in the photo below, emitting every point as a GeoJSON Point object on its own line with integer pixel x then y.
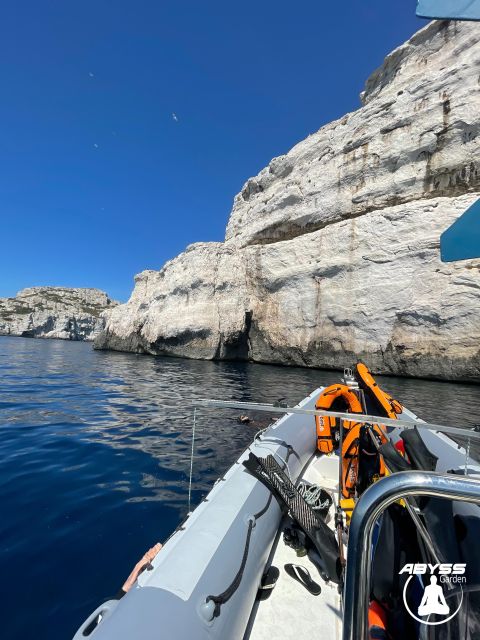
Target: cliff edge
{"type": "Point", "coordinates": [332, 251]}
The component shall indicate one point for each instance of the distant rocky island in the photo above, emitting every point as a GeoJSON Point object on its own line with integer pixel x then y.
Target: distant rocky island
{"type": "Point", "coordinates": [55, 312]}
{"type": "Point", "coordinates": [332, 251]}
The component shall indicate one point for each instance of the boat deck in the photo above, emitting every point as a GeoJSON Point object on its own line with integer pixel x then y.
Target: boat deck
{"type": "Point", "coordinates": [291, 612]}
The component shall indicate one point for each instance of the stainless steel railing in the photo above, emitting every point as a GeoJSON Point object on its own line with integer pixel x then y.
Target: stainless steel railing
{"type": "Point", "coordinates": [370, 506]}
{"type": "Point", "coordinates": [473, 432]}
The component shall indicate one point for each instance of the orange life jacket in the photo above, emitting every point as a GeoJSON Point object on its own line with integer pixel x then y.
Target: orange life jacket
{"type": "Point", "coordinates": [336, 397]}
{"type": "Point", "coordinates": [377, 622]}
{"type": "Point", "coordinates": [350, 456]}
{"type": "Point", "coordinates": [367, 382]}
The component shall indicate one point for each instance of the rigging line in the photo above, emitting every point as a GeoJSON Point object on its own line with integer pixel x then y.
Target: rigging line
{"type": "Point", "coordinates": [389, 422]}
{"type": "Point", "coordinates": [467, 456]}
{"type": "Point", "coordinates": [410, 508]}
{"type": "Point", "coordinates": [191, 460]}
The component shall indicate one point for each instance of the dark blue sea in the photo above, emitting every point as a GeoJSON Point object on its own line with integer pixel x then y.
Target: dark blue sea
{"type": "Point", "coordinates": [94, 462]}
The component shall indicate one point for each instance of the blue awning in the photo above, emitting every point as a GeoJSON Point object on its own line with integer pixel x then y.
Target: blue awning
{"type": "Point", "coordinates": [452, 9]}
{"type": "Point", "coordinates": [461, 241]}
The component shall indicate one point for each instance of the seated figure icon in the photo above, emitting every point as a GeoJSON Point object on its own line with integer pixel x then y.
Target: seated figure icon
{"type": "Point", "coordinates": [433, 600]}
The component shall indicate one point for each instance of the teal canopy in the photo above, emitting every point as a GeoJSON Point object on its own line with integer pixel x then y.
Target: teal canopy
{"type": "Point", "coordinates": [461, 241]}
{"type": "Point", "coordinates": [454, 9]}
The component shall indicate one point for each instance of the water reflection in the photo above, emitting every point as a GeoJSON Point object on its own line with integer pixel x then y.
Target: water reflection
{"type": "Point", "coordinates": [145, 404]}
{"type": "Point", "coordinates": [95, 453]}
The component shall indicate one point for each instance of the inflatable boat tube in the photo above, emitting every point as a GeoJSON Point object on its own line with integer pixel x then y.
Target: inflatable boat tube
{"type": "Point", "coordinates": [235, 525]}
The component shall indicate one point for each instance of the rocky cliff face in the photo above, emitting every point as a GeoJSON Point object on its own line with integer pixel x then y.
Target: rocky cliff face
{"type": "Point", "coordinates": [332, 251]}
{"type": "Point", "coordinates": [55, 312]}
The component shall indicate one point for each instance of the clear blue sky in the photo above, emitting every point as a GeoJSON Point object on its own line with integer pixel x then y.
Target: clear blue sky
{"type": "Point", "coordinates": [97, 179]}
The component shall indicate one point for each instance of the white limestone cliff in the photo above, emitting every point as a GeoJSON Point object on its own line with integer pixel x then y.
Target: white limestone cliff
{"type": "Point", "coordinates": [55, 312]}
{"type": "Point", "coordinates": [332, 251]}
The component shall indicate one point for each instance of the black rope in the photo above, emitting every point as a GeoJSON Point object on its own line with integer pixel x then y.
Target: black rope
{"type": "Point", "coordinates": [228, 593]}
{"type": "Point", "coordinates": [290, 450]}
{"type": "Point", "coordinates": [265, 508]}
{"type": "Point", "coordinates": [230, 590]}
{"type": "Point", "coordinates": [224, 597]}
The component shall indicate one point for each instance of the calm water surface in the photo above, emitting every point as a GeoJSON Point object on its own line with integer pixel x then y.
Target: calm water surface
{"type": "Point", "coordinates": [94, 461]}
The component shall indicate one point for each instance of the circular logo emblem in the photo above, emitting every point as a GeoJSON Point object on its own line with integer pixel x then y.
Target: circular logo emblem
{"type": "Point", "coordinates": [440, 583]}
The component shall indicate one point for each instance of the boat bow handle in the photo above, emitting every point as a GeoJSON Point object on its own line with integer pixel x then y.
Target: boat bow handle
{"type": "Point", "coordinates": [94, 619]}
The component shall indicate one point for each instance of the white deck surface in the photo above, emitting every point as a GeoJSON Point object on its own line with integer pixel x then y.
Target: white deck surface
{"type": "Point", "coordinates": [291, 612]}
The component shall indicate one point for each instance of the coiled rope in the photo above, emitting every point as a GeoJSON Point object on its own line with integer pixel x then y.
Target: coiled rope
{"type": "Point", "coordinates": [311, 494]}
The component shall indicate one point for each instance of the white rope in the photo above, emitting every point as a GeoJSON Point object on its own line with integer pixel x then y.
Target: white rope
{"type": "Point", "coordinates": [191, 460]}
{"type": "Point", "coordinates": [311, 494]}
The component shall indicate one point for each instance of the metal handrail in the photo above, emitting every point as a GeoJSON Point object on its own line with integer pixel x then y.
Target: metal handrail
{"type": "Point", "coordinates": [370, 506]}
{"type": "Point", "coordinates": [409, 423]}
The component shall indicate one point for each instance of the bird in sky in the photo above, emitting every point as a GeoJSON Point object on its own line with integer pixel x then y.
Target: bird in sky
{"type": "Point", "coordinates": [175, 117]}
{"type": "Point", "coordinates": [91, 74]}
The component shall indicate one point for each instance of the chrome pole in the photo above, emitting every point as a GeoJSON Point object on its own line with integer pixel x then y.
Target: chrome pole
{"type": "Point", "coordinates": [411, 509]}
{"type": "Point", "coordinates": [367, 510]}
{"type": "Point", "coordinates": [389, 422]}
